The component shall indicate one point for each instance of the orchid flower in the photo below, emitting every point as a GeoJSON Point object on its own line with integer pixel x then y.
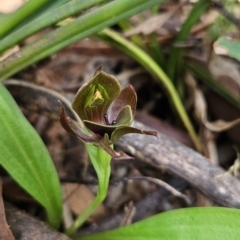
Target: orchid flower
{"type": "Point", "coordinates": [106, 112]}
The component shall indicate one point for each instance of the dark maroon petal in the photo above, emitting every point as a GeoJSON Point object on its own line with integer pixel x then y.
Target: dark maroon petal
{"type": "Point", "coordinates": [120, 131]}
{"type": "Point", "coordinates": [93, 98]}
{"type": "Point", "coordinates": [73, 128]}
{"type": "Point", "coordinates": [104, 143]}
{"type": "Point", "coordinates": [124, 119]}
{"type": "Point", "coordinates": [127, 96]}
{"type": "Point", "coordinates": [123, 156]}
{"type": "Point", "coordinates": [99, 128]}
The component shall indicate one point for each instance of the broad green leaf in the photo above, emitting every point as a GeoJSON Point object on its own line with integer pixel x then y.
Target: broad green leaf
{"type": "Point", "coordinates": [228, 47]}
{"type": "Point", "coordinates": [26, 159]}
{"type": "Point", "coordinates": [208, 223]}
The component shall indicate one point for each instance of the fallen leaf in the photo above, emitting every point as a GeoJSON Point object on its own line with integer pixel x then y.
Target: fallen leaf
{"type": "Point", "coordinates": [79, 197]}
{"type": "Point", "coordinates": [5, 232]}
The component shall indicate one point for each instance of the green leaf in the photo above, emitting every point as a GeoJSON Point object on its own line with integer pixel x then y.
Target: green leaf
{"type": "Point", "coordinates": [12, 20]}
{"type": "Point", "coordinates": [101, 163]}
{"type": "Point", "coordinates": [208, 223]}
{"type": "Point", "coordinates": [176, 53]}
{"type": "Point", "coordinates": [82, 27]}
{"type": "Point", "coordinates": [48, 15]}
{"type": "Point", "coordinates": [26, 159]}
{"type": "Point", "coordinates": [228, 47]}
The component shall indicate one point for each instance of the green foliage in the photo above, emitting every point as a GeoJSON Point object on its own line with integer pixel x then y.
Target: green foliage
{"type": "Point", "coordinates": [231, 48]}
{"type": "Point", "coordinates": [11, 21]}
{"type": "Point", "coordinates": [27, 160]}
{"type": "Point", "coordinates": [24, 155]}
{"type": "Point", "coordinates": [222, 25]}
{"type": "Point", "coordinates": [101, 162]}
{"type": "Point", "coordinates": [210, 223]}
{"type": "Point", "coordinates": [174, 64]}
{"type": "Point", "coordinates": [48, 15]}
{"type": "Point", "coordinates": [83, 26]}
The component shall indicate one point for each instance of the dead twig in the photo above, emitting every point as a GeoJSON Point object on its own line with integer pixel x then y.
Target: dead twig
{"type": "Point", "coordinates": [219, 6]}
{"type": "Point", "coordinates": [171, 156]}
{"type": "Point", "coordinates": [163, 184]}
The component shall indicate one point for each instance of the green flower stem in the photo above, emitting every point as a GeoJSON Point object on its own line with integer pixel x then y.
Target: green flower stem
{"type": "Point", "coordinates": [101, 162]}
{"type": "Point", "coordinates": [82, 218]}
{"type": "Point", "coordinates": [116, 40]}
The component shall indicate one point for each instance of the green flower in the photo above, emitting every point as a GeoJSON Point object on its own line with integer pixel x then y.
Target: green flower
{"type": "Point", "coordinates": [106, 112]}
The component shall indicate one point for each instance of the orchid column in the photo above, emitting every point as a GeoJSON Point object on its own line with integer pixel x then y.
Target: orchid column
{"type": "Point", "coordinates": [107, 113]}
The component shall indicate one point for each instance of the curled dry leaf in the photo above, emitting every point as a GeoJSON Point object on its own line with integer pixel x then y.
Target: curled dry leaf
{"type": "Point", "coordinates": [200, 108]}
{"type": "Point", "coordinates": [207, 127]}
{"type": "Point", "coordinates": [235, 168]}
{"type": "Point", "coordinates": [221, 125]}
{"type": "Point", "coordinates": [201, 111]}
{"type": "Point", "coordinates": [129, 211]}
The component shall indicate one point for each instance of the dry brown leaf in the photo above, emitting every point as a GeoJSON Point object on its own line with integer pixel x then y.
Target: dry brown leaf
{"type": "Point", "coordinates": [129, 212]}
{"type": "Point", "coordinates": [153, 23]}
{"type": "Point", "coordinates": [9, 52]}
{"type": "Point", "coordinates": [5, 232]}
{"type": "Point", "coordinates": [79, 197]}
{"type": "Point", "coordinates": [226, 72]}
{"type": "Point", "coordinates": [200, 109]}
{"type": "Point", "coordinates": [234, 169]}
{"type": "Point", "coordinates": [27, 227]}
{"type": "Point", "coordinates": [221, 125]}
{"type": "Point", "coordinates": [164, 127]}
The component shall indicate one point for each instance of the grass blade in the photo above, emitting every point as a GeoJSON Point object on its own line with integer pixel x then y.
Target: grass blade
{"type": "Point", "coordinates": [46, 17]}
{"type": "Point", "coordinates": [175, 54]}
{"type": "Point", "coordinates": [82, 27]}
{"type": "Point", "coordinates": [12, 20]}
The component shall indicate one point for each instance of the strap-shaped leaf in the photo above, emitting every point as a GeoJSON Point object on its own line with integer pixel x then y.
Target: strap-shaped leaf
{"type": "Point", "coordinates": [24, 156]}
{"type": "Point", "coordinates": [203, 223]}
